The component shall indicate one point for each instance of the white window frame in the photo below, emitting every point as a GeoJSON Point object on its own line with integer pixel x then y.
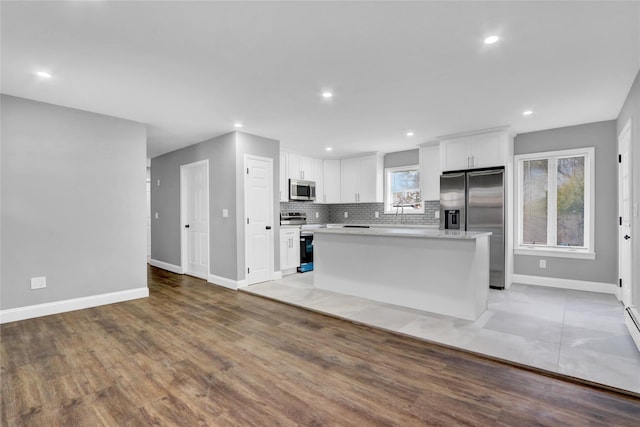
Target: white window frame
{"type": "Point", "coordinates": [586, 252]}
{"type": "Point", "coordinates": [387, 191]}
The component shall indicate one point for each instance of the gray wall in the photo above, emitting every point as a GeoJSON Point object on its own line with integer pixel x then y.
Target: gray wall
{"type": "Point", "coordinates": [602, 136]}
{"type": "Point", "coordinates": [631, 110]}
{"type": "Point", "coordinates": [226, 191]}
{"type": "Point", "coordinates": [73, 203]}
{"type": "Point", "coordinates": [263, 147]}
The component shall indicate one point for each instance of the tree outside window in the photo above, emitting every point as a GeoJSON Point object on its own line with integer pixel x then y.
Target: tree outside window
{"type": "Point", "coordinates": [402, 190]}
{"type": "Point", "coordinates": [556, 199]}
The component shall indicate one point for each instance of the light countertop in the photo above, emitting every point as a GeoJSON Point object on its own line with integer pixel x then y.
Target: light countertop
{"type": "Point", "coordinates": [405, 232]}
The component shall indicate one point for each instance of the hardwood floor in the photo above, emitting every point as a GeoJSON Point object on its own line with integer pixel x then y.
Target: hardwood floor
{"type": "Point", "coordinates": [196, 354]}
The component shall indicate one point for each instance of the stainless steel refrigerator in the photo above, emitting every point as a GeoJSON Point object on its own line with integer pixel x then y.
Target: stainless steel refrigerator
{"type": "Point", "coordinates": [474, 201]}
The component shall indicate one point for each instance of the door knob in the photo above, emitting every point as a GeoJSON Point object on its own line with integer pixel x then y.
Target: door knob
{"type": "Point", "coordinates": [268, 227]}
{"type": "Point", "coordinates": [186, 226]}
{"type": "Point", "coordinates": [627, 237]}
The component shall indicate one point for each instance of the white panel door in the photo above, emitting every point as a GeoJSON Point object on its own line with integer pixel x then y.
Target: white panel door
{"type": "Point", "coordinates": [195, 218]}
{"type": "Point", "coordinates": [259, 219]}
{"type": "Point", "coordinates": [624, 209]}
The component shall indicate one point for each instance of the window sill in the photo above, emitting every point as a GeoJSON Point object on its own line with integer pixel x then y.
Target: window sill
{"type": "Point", "coordinates": [405, 213]}
{"type": "Point", "coordinates": [558, 253]}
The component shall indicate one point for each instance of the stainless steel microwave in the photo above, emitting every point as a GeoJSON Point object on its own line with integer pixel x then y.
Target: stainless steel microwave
{"type": "Point", "coordinates": [302, 190]}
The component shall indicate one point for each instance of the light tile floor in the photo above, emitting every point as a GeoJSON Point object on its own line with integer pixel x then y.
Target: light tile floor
{"type": "Point", "coordinates": [580, 334]}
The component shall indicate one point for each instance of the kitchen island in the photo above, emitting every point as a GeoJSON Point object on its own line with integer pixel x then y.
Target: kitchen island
{"type": "Point", "coordinates": [440, 271]}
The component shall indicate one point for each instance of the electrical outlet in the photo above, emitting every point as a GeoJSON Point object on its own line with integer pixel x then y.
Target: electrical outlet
{"type": "Point", "coordinates": [158, 183]}
{"type": "Point", "coordinates": [38, 282]}
{"type": "Point", "coordinates": [157, 215]}
{"type": "Point", "coordinates": [436, 214]}
{"type": "Point", "coordinates": [376, 214]}
{"type": "Point", "coordinates": [317, 214]}
{"type": "Point", "coordinates": [225, 213]}
{"type": "Point", "coordinates": [543, 263]}
{"type": "Point", "coordinates": [346, 214]}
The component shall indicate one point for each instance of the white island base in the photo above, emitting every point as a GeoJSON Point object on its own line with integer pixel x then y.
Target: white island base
{"type": "Point", "coordinates": [430, 270]}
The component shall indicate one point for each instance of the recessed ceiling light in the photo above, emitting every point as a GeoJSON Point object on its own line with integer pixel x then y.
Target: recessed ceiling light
{"type": "Point", "coordinates": [410, 133]}
{"type": "Point", "coordinates": [527, 113]}
{"type": "Point", "coordinates": [491, 39]}
{"type": "Point", "coordinates": [43, 74]}
{"type": "Point", "coordinates": [327, 95]}
{"type": "Point", "coordinates": [238, 125]}
{"type": "Point", "coordinates": [329, 148]}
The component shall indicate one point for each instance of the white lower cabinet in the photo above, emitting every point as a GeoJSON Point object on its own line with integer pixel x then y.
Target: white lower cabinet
{"type": "Point", "coordinates": [289, 249]}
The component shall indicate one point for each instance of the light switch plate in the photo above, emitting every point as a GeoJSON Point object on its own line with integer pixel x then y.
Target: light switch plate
{"type": "Point", "coordinates": [38, 282]}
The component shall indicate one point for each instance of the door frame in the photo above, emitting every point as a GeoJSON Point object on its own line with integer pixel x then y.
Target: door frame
{"type": "Point", "coordinates": [626, 291]}
{"type": "Point", "coordinates": [269, 160]}
{"type": "Point", "coordinates": [184, 256]}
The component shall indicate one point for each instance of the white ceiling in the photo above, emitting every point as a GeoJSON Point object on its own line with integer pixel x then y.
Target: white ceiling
{"type": "Point", "coordinates": [189, 70]}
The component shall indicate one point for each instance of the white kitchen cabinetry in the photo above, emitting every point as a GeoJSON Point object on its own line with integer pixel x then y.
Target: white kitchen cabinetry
{"type": "Point", "coordinates": [284, 178]}
{"type": "Point", "coordinates": [331, 184]}
{"type": "Point", "coordinates": [300, 167]}
{"type": "Point", "coordinates": [361, 179]}
{"type": "Point", "coordinates": [430, 172]}
{"type": "Point", "coordinates": [289, 249]}
{"type": "Point", "coordinates": [318, 177]}
{"type": "Point", "coordinates": [471, 151]}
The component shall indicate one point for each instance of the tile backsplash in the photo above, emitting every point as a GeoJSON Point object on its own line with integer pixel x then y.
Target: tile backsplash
{"type": "Point", "coordinates": [360, 213]}
{"type": "Point", "coordinates": [310, 209]}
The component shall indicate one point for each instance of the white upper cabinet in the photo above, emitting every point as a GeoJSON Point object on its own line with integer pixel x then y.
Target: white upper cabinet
{"type": "Point", "coordinates": [284, 178]}
{"type": "Point", "coordinates": [471, 151]}
{"type": "Point", "coordinates": [430, 172]}
{"type": "Point", "coordinates": [318, 177]}
{"type": "Point", "coordinates": [331, 182]}
{"type": "Point", "coordinates": [456, 153]}
{"type": "Point", "coordinates": [300, 167]}
{"type": "Point", "coordinates": [349, 180]}
{"type": "Point", "coordinates": [361, 179]}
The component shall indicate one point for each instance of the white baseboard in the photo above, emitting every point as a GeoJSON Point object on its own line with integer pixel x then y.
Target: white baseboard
{"type": "Point", "coordinates": [224, 282]}
{"type": "Point", "coordinates": [166, 266]}
{"type": "Point", "coordinates": [277, 275]}
{"type": "Point", "coordinates": [578, 285]}
{"type": "Point", "coordinates": [632, 320]}
{"type": "Point", "coordinates": [46, 309]}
